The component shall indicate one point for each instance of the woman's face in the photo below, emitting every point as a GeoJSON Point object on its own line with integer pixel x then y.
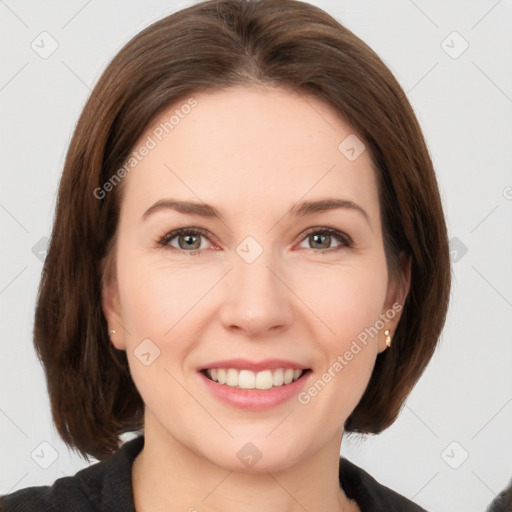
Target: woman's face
{"type": "Point", "coordinates": [263, 289]}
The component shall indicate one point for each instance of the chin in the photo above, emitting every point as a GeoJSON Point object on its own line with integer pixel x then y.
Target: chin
{"type": "Point", "coordinates": [252, 457]}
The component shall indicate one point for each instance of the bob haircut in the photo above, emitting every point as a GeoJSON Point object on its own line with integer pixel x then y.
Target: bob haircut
{"type": "Point", "coordinates": [214, 45]}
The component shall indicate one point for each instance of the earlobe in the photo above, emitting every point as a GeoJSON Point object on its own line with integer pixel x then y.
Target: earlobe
{"type": "Point", "coordinates": [385, 339]}
{"type": "Point", "coordinates": [395, 300]}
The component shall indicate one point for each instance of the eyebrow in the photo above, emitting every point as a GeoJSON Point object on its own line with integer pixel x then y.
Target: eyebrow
{"type": "Point", "coordinates": [301, 209]}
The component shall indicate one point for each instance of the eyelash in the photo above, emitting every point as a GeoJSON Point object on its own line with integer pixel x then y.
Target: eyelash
{"type": "Point", "coordinates": [345, 240]}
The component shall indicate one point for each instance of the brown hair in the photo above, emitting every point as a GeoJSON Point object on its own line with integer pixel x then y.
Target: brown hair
{"type": "Point", "coordinates": [214, 45]}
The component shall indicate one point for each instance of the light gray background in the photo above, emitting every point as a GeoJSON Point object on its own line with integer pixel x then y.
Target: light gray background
{"type": "Point", "coordinates": [462, 406]}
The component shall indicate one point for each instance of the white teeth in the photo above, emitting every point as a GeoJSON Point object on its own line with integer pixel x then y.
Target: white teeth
{"type": "Point", "coordinates": [288, 376]}
{"type": "Point", "coordinates": [232, 377]}
{"type": "Point", "coordinates": [278, 377]}
{"type": "Point", "coordinates": [247, 379]}
{"type": "Point", "coordinates": [221, 376]}
{"type": "Point", "coordinates": [263, 379]}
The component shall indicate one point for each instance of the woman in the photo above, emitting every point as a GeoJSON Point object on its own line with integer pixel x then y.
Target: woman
{"type": "Point", "coordinates": [249, 259]}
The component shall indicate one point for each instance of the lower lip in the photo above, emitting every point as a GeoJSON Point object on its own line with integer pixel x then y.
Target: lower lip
{"type": "Point", "coordinates": [255, 399]}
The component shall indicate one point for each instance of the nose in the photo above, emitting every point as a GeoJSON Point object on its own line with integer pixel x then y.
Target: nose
{"type": "Point", "coordinates": [256, 299]}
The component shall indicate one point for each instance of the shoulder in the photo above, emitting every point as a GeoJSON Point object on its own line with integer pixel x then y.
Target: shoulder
{"type": "Point", "coordinates": [502, 502]}
{"type": "Point", "coordinates": [65, 492]}
{"type": "Point", "coordinates": [102, 486]}
{"type": "Point", "coordinates": [369, 494]}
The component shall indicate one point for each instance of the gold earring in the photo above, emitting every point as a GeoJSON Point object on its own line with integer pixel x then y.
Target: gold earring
{"type": "Point", "coordinates": [111, 332]}
{"type": "Point", "coordinates": [388, 338]}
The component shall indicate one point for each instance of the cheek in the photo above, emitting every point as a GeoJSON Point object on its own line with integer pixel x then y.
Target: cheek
{"type": "Point", "coordinates": [349, 302]}
{"type": "Point", "coordinates": [350, 307]}
{"type": "Point", "coordinates": [155, 303]}
{"type": "Point", "coordinates": [341, 300]}
{"type": "Point", "coordinates": [155, 297]}
{"type": "Point", "coordinates": [346, 299]}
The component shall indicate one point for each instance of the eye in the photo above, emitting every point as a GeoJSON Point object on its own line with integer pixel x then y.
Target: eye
{"type": "Point", "coordinates": [187, 238]}
{"type": "Point", "coordinates": [321, 239]}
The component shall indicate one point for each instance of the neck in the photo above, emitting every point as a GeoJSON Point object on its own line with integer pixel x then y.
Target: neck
{"type": "Point", "coordinates": [169, 476]}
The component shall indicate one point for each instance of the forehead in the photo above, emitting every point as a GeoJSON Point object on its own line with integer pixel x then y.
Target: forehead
{"type": "Point", "coordinates": [250, 146]}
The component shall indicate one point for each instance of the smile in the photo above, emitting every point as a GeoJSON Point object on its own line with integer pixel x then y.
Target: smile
{"type": "Point", "coordinates": [247, 379]}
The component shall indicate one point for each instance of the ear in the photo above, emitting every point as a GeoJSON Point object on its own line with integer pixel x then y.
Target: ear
{"type": "Point", "coordinates": [111, 308]}
{"type": "Point", "coordinates": [395, 299]}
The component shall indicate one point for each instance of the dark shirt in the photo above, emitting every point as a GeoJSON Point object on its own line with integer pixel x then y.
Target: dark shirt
{"type": "Point", "coordinates": [502, 502]}
{"type": "Point", "coordinates": [106, 486]}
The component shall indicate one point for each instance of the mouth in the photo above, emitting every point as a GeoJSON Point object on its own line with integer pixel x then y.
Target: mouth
{"type": "Point", "coordinates": [247, 379]}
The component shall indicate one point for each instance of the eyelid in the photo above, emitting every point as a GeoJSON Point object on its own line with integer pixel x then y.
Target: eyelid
{"type": "Point", "coordinates": [165, 239]}
{"type": "Point", "coordinates": [346, 240]}
{"type": "Point", "coordinates": [334, 232]}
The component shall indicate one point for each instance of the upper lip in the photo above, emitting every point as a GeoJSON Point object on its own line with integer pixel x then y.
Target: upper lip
{"type": "Point", "coordinates": [255, 366]}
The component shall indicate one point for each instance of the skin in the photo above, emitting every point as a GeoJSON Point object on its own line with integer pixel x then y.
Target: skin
{"type": "Point", "coordinates": [251, 152]}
